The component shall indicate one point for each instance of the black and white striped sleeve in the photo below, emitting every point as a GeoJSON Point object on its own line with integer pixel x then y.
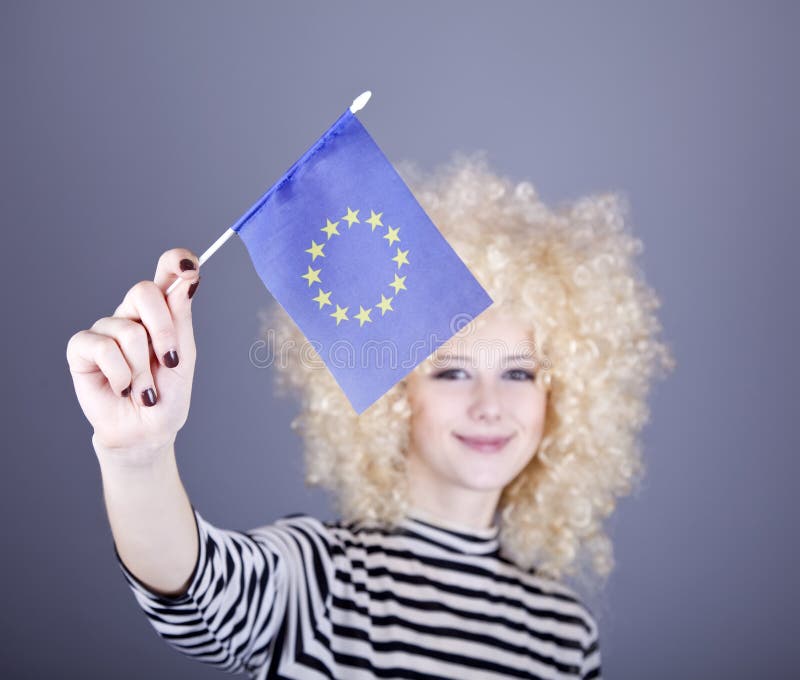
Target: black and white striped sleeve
{"type": "Point", "coordinates": [236, 599]}
{"type": "Point", "coordinates": [591, 667]}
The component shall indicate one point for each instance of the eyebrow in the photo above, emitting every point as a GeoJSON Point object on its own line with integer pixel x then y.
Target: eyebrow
{"type": "Point", "coordinates": [461, 357]}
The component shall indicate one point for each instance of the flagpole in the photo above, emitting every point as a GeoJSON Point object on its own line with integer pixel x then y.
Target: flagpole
{"type": "Point", "coordinates": [358, 103]}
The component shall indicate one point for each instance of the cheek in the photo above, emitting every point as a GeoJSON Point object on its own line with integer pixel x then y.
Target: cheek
{"type": "Point", "coordinates": [531, 411]}
{"type": "Point", "coordinates": [423, 426]}
{"type": "Point", "coordinates": [430, 419]}
{"type": "Point", "coordinates": [420, 422]}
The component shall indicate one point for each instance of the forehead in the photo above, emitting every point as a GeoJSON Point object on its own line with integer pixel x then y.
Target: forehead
{"type": "Point", "coordinates": [498, 334]}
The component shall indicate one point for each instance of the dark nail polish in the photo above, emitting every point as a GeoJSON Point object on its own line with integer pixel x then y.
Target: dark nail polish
{"type": "Point", "coordinates": [171, 359]}
{"type": "Point", "coordinates": [149, 397]}
{"type": "Point", "coordinates": [186, 265]}
{"type": "Point", "coordinates": [126, 391]}
{"type": "Point", "coordinates": [193, 288]}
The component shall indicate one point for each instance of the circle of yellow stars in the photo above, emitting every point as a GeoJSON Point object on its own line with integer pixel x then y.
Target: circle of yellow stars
{"type": "Point", "coordinates": [316, 250]}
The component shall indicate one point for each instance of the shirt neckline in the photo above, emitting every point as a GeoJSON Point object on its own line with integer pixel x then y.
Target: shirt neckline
{"type": "Point", "coordinates": [452, 536]}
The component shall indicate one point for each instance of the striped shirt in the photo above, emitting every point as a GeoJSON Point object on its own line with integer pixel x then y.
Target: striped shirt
{"type": "Point", "coordinates": [303, 598]}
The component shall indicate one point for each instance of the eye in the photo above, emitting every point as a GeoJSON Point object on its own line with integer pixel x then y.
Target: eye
{"type": "Point", "coordinates": [521, 374]}
{"type": "Point", "coordinates": [451, 374]}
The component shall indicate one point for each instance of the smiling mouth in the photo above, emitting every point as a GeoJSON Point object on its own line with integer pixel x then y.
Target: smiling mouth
{"type": "Point", "coordinates": [484, 444]}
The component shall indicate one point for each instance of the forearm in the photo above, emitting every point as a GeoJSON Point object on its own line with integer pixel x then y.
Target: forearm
{"type": "Point", "coordinates": [150, 516]}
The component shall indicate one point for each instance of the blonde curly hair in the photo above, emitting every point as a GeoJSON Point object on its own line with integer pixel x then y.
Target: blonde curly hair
{"type": "Point", "coordinates": [571, 274]}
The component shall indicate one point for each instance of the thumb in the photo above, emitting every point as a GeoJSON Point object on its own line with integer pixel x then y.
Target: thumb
{"type": "Point", "coordinates": [179, 302]}
{"type": "Point", "coordinates": [182, 265]}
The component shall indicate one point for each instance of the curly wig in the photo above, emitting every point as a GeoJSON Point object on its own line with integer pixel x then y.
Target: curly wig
{"type": "Point", "coordinates": [571, 274]}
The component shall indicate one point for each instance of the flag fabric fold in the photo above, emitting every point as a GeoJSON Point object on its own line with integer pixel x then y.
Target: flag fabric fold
{"type": "Point", "coordinates": [346, 249]}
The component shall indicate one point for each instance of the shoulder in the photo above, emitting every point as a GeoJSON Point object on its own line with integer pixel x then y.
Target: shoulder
{"type": "Point", "coordinates": [558, 599]}
{"type": "Point", "coordinates": [296, 523]}
{"type": "Point", "coordinates": [302, 529]}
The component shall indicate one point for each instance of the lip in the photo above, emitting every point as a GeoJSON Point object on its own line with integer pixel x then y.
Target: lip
{"type": "Point", "coordinates": [484, 444]}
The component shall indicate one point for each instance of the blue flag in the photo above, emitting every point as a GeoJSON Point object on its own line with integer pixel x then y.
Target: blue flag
{"type": "Point", "coordinates": [344, 247]}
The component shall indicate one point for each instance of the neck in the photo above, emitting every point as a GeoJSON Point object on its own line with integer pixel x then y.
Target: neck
{"type": "Point", "coordinates": [462, 507]}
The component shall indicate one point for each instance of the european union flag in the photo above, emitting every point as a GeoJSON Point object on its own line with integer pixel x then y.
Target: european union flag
{"type": "Point", "coordinates": [344, 247]}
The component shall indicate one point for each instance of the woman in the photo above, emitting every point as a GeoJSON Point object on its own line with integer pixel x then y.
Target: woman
{"type": "Point", "coordinates": [465, 493]}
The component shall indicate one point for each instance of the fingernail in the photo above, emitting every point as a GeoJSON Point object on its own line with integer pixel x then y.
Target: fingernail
{"type": "Point", "coordinates": [149, 397]}
{"type": "Point", "coordinates": [193, 288]}
{"type": "Point", "coordinates": [126, 391]}
{"type": "Point", "coordinates": [186, 265]}
{"type": "Point", "coordinates": [171, 359]}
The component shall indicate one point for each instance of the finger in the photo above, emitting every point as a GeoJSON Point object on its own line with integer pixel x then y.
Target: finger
{"type": "Point", "coordinates": [176, 263]}
{"type": "Point", "coordinates": [130, 337]}
{"type": "Point", "coordinates": [145, 302]}
{"type": "Point", "coordinates": [89, 353]}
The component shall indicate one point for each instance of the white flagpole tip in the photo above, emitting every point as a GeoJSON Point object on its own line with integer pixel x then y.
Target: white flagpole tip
{"type": "Point", "coordinates": [360, 102]}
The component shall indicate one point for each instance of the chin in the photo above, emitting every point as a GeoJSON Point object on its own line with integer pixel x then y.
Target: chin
{"type": "Point", "coordinates": [479, 482]}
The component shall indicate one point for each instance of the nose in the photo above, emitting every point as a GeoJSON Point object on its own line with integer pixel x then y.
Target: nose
{"type": "Point", "coordinates": [485, 406]}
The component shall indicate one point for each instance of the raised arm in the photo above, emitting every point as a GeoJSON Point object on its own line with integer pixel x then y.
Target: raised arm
{"type": "Point", "coordinates": [133, 374]}
{"type": "Point", "coordinates": [216, 595]}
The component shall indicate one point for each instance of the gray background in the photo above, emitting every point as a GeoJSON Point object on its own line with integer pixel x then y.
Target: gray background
{"type": "Point", "coordinates": [130, 128]}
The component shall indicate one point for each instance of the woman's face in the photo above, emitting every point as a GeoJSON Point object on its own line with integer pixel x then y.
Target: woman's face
{"type": "Point", "coordinates": [477, 416]}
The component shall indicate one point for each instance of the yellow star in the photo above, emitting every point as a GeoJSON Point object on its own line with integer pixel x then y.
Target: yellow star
{"type": "Point", "coordinates": [363, 315]}
{"type": "Point", "coordinates": [331, 229]}
{"type": "Point", "coordinates": [385, 304]}
{"type": "Point", "coordinates": [315, 250]}
{"type": "Point", "coordinates": [323, 298]}
{"type": "Point", "coordinates": [351, 217]}
{"type": "Point", "coordinates": [340, 314]}
{"type": "Point", "coordinates": [312, 275]}
{"type": "Point", "coordinates": [392, 235]}
{"type": "Point", "coordinates": [375, 220]}
{"type": "Point", "coordinates": [400, 258]}
{"type": "Point", "coordinates": [398, 284]}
